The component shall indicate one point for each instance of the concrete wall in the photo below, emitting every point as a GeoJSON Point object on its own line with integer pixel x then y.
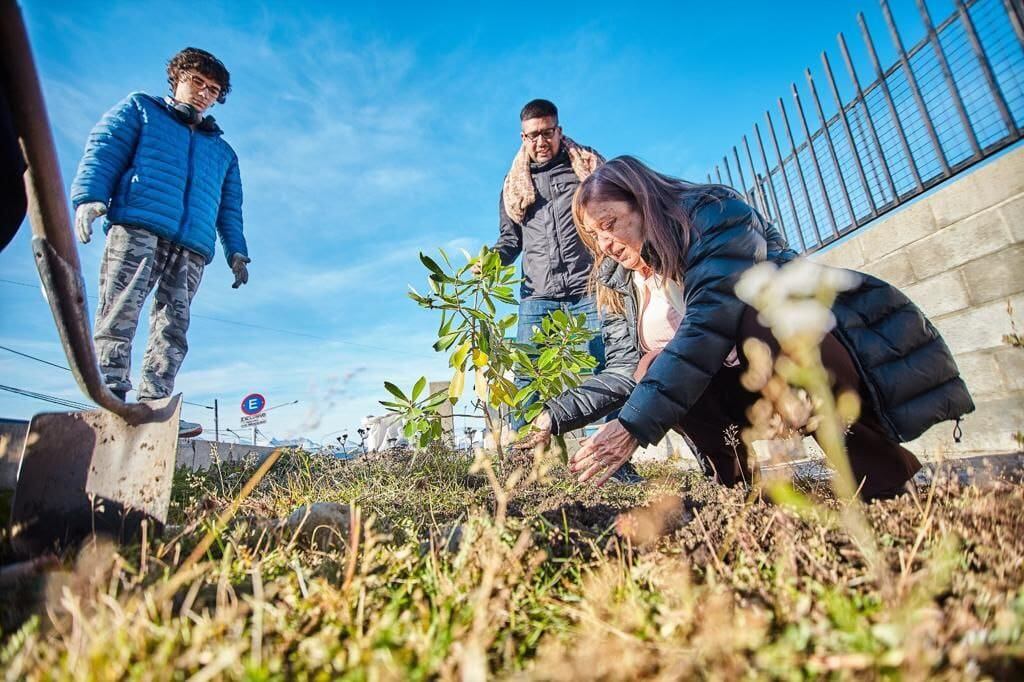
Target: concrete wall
{"type": "Point", "coordinates": [198, 454]}
{"type": "Point", "coordinates": [958, 252]}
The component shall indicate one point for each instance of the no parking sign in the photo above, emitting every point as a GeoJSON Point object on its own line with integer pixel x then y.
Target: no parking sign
{"type": "Point", "coordinates": [252, 409]}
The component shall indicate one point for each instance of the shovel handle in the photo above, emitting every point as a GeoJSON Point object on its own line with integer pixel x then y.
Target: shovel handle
{"type": "Point", "coordinates": [53, 241]}
{"type": "Point", "coordinates": [48, 207]}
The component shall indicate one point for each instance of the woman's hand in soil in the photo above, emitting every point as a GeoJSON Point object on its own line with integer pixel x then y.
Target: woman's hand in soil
{"type": "Point", "coordinates": [540, 433]}
{"type": "Point", "coordinates": [603, 453]}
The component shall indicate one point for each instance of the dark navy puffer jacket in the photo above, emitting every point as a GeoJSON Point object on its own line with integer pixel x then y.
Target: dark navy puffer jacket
{"type": "Point", "coordinates": [155, 172]}
{"type": "Point", "coordinates": [909, 372]}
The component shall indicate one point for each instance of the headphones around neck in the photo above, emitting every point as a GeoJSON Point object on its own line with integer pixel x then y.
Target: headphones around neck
{"type": "Point", "coordinates": [189, 115]}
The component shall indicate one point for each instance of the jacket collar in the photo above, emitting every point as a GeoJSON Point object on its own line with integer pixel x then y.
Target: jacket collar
{"type": "Point", "coordinates": [614, 276]}
{"type": "Point", "coordinates": [559, 159]}
{"type": "Point", "coordinates": [208, 126]}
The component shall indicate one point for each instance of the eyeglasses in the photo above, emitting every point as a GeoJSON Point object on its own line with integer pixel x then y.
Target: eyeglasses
{"type": "Point", "coordinates": [199, 84]}
{"type": "Point", "coordinates": [547, 134]}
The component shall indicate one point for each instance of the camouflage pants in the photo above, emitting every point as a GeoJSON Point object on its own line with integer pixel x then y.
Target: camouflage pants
{"type": "Point", "coordinates": [134, 261]}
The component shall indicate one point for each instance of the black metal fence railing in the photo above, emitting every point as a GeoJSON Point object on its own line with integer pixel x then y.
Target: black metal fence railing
{"type": "Point", "coordinates": [947, 102]}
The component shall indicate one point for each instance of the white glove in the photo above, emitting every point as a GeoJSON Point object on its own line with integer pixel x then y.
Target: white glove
{"type": "Point", "coordinates": [84, 215]}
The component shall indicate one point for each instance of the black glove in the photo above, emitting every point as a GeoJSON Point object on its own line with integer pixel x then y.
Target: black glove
{"type": "Point", "coordinates": [241, 272]}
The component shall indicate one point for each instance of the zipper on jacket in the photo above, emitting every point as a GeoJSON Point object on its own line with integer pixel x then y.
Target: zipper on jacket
{"type": "Point", "coordinates": [188, 185]}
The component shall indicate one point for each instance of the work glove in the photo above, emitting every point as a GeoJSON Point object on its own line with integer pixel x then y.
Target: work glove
{"type": "Point", "coordinates": [241, 272]}
{"type": "Point", "coordinates": [84, 215]}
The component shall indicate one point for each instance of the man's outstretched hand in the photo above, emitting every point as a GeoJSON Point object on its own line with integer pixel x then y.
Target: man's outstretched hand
{"type": "Point", "coordinates": [238, 263]}
{"type": "Point", "coordinates": [85, 214]}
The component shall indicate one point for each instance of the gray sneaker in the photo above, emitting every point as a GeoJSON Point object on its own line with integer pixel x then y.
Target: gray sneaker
{"type": "Point", "coordinates": [627, 475]}
{"type": "Point", "coordinates": [189, 429]}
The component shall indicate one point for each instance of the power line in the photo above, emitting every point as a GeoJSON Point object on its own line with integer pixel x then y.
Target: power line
{"type": "Point", "coordinates": [237, 323]}
{"type": "Point", "coordinates": [20, 284]}
{"type": "Point", "coordinates": [61, 367]}
{"type": "Point", "coordinates": [32, 357]}
{"type": "Point", "coordinates": [63, 402]}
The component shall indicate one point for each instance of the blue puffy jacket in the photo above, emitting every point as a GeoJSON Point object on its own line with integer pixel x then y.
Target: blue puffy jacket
{"type": "Point", "coordinates": [155, 172]}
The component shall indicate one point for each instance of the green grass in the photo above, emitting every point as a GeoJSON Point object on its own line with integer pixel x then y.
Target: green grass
{"type": "Point", "coordinates": [445, 575]}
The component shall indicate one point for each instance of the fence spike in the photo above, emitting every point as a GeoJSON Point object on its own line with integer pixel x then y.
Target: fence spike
{"type": "Point", "coordinates": [785, 181]}
{"type": "Point", "coordinates": [915, 90]}
{"type": "Point", "coordinates": [887, 94]}
{"type": "Point", "coordinates": [940, 55]}
{"type": "Point", "coordinates": [799, 171]}
{"type": "Point", "coordinates": [986, 66]}
{"type": "Point", "coordinates": [757, 183]}
{"type": "Point", "coordinates": [831, 147]}
{"type": "Point", "coordinates": [814, 159]}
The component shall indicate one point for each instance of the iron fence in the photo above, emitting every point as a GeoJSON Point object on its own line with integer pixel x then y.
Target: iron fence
{"type": "Point", "coordinates": [947, 102]}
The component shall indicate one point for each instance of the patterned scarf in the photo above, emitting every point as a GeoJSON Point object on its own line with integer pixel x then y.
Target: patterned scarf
{"type": "Point", "coordinates": [519, 192]}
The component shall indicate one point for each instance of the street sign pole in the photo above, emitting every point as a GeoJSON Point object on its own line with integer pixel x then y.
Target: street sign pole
{"type": "Point", "coordinates": [216, 422]}
{"type": "Point", "coordinates": [254, 435]}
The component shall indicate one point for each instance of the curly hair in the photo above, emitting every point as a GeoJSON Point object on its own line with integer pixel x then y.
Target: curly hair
{"type": "Point", "coordinates": [201, 61]}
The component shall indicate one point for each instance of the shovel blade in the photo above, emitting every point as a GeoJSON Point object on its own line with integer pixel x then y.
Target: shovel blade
{"type": "Point", "coordinates": [92, 471]}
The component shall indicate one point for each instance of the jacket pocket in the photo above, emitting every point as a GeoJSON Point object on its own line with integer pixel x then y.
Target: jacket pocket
{"type": "Point", "coordinates": [124, 188]}
{"type": "Point", "coordinates": [566, 187]}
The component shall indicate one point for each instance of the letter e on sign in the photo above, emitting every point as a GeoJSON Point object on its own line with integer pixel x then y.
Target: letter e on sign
{"type": "Point", "coordinates": [254, 403]}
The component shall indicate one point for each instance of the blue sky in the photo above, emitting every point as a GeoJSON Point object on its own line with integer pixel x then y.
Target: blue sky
{"type": "Point", "coordinates": [366, 133]}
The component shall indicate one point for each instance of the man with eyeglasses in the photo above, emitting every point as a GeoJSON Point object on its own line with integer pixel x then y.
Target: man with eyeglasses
{"type": "Point", "coordinates": [167, 184]}
{"type": "Point", "coordinates": [535, 220]}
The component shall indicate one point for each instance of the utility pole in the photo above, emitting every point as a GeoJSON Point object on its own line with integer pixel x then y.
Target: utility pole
{"type": "Point", "coordinates": [216, 422]}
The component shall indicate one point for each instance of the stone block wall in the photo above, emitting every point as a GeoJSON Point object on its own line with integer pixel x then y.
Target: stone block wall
{"type": "Point", "coordinates": [958, 252]}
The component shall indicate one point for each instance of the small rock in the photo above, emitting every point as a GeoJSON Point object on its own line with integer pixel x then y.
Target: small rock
{"type": "Point", "coordinates": [322, 523]}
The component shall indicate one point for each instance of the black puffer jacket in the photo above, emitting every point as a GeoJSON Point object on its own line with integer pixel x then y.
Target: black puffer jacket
{"type": "Point", "coordinates": [556, 264]}
{"type": "Point", "coordinates": [906, 366]}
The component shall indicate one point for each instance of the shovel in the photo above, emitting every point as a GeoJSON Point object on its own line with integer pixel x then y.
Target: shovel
{"type": "Point", "coordinates": [98, 471]}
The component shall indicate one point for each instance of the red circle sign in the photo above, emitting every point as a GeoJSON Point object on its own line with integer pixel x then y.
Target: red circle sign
{"type": "Point", "coordinates": [253, 404]}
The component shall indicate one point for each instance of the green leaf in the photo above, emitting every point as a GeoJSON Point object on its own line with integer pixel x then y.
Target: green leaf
{"type": "Point", "coordinates": [547, 357]}
{"type": "Point", "coordinates": [431, 265]}
{"type": "Point", "coordinates": [459, 356]}
{"type": "Point", "coordinates": [446, 342]}
{"type": "Point", "coordinates": [489, 305]}
{"type": "Point", "coordinates": [445, 256]}
{"type": "Point", "coordinates": [479, 315]}
{"type": "Point", "coordinates": [532, 411]}
{"type": "Point", "coordinates": [479, 358]}
{"type": "Point", "coordinates": [522, 395]}
{"type": "Point", "coordinates": [393, 406]}
{"type": "Point", "coordinates": [435, 400]}
{"type": "Point", "coordinates": [395, 391]}
{"type": "Point", "coordinates": [446, 325]}
{"type": "Point", "coordinates": [418, 388]}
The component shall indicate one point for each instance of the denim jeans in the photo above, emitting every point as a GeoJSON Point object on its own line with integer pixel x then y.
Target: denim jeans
{"type": "Point", "coordinates": [533, 310]}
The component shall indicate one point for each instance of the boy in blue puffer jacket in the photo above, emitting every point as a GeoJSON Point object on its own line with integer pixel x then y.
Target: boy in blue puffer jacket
{"type": "Point", "coordinates": [167, 183]}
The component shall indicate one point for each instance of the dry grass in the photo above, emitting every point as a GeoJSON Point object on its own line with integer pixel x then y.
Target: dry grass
{"type": "Point", "coordinates": [444, 569]}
